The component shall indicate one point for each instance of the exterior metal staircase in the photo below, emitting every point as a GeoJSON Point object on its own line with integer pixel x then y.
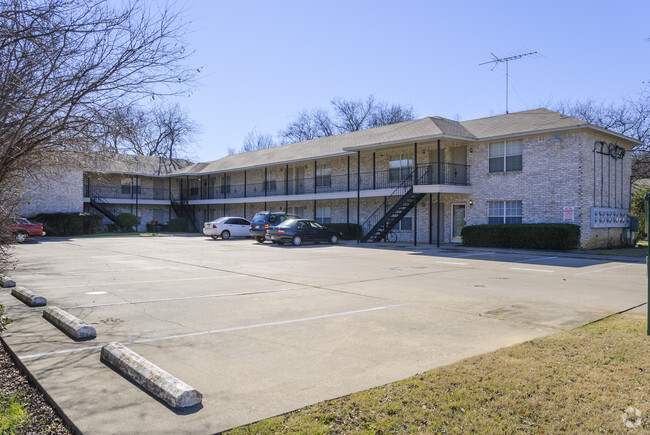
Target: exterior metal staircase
{"type": "Point", "coordinates": [100, 205]}
{"type": "Point", "coordinates": [393, 209]}
{"type": "Point", "coordinates": [183, 210]}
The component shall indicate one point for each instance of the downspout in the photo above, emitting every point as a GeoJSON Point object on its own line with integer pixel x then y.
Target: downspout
{"type": "Point", "coordinates": [245, 192]}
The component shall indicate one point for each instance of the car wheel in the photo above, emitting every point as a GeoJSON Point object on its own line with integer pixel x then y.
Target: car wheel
{"type": "Point", "coordinates": [260, 239]}
{"type": "Point", "coordinates": [334, 239]}
{"type": "Point", "coordinates": [225, 234]}
{"type": "Point", "coordinates": [297, 240]}
{"type": "Point", "coordinates": [214, 236]}
{"type": "Point", "coordinates": [21, 237]}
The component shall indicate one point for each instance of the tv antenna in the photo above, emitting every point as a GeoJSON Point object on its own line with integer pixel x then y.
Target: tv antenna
{"type": "Point", "coordinates": [496, 61]}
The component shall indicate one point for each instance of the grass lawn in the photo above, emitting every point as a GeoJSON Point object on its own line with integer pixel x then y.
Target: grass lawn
{"type": "Point", "coordinates": [578, 381]}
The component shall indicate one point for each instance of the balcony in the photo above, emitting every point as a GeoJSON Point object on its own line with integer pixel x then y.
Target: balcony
{"type": "Point", "coordinates": [450, 174]}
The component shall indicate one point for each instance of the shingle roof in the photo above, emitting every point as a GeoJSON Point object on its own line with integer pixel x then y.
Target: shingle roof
{"type": "Point", "coordinates": [519, 123]}
{"type": "Point", "coordinates": [132, 164]}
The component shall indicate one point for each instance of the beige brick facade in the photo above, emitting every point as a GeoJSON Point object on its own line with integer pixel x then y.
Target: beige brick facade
{"type": "Point", "coordinates": [563, 176]}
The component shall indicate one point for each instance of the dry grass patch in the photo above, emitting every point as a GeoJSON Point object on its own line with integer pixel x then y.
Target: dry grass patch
{"type": "Point", "coordinates": [579, 381]}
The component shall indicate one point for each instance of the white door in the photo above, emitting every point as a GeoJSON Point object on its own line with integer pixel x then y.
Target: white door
{"type": "Point", "coordinates": [241, 228]}
{"type": "Point", "coordinates": [457, 221]}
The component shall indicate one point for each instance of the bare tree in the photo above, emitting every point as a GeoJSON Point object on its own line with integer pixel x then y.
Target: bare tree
{"type": "Point", "coordinates": [65, 63]}
{"type": "Point", "coordinates": [385, 114]}
{"type": "Point", "coordinates": [347, 116]}
{"type": "Point", "coordinates": [165, 131]}
{"type": "Point", "coordinates": [631, 118]}
{"type": "Point", "coordinates": [253, 141]}
{"type": "Point", "coordinates": [353, 115]}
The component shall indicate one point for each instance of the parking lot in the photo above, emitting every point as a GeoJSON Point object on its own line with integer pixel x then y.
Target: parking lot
{"type": "Point", "coordinates": [261, 330]}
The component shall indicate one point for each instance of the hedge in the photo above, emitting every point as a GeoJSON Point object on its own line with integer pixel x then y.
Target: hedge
{"type": "Point", "coordinates": [349, 231]}
{"type": "Point", "coordinates": [69, 224]}
{"type": "Point", "coordinates": [528, 236]}
{"type": "Point", "coordinates": [126, 221]}
{"type": "Point", "coordinates": [177, 225]}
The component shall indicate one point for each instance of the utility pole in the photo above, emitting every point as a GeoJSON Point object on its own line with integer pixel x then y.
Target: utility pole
{"type": "Point", "coordinates": [496, 61]}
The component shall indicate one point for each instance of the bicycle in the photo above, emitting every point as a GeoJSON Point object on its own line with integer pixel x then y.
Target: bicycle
{"type": "Point", "coordinates": [390, 237]}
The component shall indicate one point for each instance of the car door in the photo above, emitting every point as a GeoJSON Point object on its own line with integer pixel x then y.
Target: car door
{"type": "Point", "coordinates": [241, 228]}
{"type": "Point", "coordinates": [318, 233]}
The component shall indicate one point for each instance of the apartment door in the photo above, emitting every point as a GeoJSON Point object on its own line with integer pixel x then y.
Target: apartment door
{"type": "Point", "coordinates": [457, 221]}
{"type": "Point", "coordinates": [299, 179]}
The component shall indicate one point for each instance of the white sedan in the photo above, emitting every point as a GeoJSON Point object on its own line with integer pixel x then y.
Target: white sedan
{"type": "Point", "coordinates": [227, 227]}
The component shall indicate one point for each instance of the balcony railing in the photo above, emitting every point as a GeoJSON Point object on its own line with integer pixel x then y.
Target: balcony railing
{"type": "Point", "coordinates": [450, 174]}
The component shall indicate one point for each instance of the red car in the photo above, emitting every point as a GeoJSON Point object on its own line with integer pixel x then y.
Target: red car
{"type": "Point", "coordinates": [23, 229]}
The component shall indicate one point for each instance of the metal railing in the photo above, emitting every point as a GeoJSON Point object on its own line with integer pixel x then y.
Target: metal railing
{"type": "Point", "coordinates": [450, 174]}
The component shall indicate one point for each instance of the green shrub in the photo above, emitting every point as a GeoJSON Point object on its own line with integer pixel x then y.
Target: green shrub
{"type": "Point", "coordinates": [126, 221]}
{"type": "Point", "coordinates": [349, 231]}
{"type": "Point", "coordinates": [69, 224]}
{"type": "Point", "coordinates": [177, 225]}
{"type": "Point", "coordinates": [638, 209]}
{"type": "Point", "coordinates": [528, 236]}
{"type": "Point", "coordinates": [92, 222]}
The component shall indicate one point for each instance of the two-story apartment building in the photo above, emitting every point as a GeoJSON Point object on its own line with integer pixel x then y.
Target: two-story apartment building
{"type": "Point", "coordinates": [424, 179]}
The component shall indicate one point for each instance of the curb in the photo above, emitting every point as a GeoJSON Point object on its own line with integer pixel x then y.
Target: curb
{"type": "Point", "coordinates": [28, 297]}
{"type": "Point", "coordinates": [69, 324]}
{"type": "Point", "coordinates": [152, 378]}
{"type": "Point", "coordinates": [7, 282]}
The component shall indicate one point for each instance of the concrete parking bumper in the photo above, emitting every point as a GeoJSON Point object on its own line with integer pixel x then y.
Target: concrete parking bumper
{"type": "Point", "coordinates": [69, 324]}
{"type": "Point", "coordinates": [152, 378]}
{"type": "Point", "coordinates": [28, 297]}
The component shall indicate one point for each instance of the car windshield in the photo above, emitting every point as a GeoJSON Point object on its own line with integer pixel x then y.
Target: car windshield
{"type": "Point", "coordinates": [259, 219]}
{"type": "Point", "coordinates": [21, 221]}
{"type": "Point", "coordinates": [220, 220]}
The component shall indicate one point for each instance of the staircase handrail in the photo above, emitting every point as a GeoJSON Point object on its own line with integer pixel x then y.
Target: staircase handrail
{"type": "Point", "coordinates": [376, 216]}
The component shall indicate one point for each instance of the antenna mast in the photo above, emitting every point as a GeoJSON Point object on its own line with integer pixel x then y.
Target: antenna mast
{"type": "Point", "coordinates": [496, 61]}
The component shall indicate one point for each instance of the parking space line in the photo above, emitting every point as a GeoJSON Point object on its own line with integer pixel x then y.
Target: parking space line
{"type": "Point", "coordinates": [607, 268]}
{"type": "Point", "coordinates": [218, 295]}
{"type": "Point", "coordinates": [139, 282]}
{"type": "Point", "coordinates": [532, 270]}
{"type": "Point", "coordinates": [534, 259]}
{"type": "Point", "coordinates": [472, 255]}
{"type": "Point", "coordinates": [215, 331]}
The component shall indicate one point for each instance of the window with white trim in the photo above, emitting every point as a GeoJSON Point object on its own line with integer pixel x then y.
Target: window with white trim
{"type": "Point", "coordinates": [400, 166]}
{"type": "Point", "coordinates": [506, 156]}
{"type": "Point", "coordinates": [504, 212]}
{"type": "Point", "coordinates": [324, 214]}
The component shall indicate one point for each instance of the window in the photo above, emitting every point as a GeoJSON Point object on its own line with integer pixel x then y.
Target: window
{"type": "Point", "coordinates": [506, 156]}
{"type": "Point", "coordinates": [406, 224]}
{"type": "Point", "coordinates": [400, 166]}
{"type": "Point", "coordinates": [504, 212]}
{"type": "Point", "coordinates": [324, 175]}
{"type": "Point", "coordinates": [324, 215]}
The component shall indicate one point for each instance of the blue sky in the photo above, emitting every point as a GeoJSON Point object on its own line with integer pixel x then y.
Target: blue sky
{"type": "Point", "coordinates": [262, 62]}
